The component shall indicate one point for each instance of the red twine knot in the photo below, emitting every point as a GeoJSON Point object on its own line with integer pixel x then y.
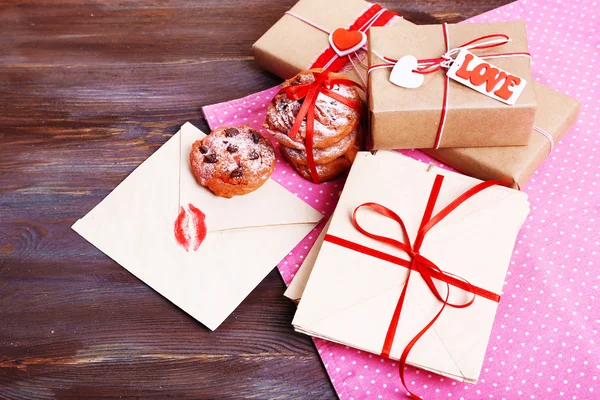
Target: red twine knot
{"type": "Point", "coordinates": [324, 82]}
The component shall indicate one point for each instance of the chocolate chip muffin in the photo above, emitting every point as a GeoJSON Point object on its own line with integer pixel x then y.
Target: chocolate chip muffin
{"type": "Point", "coordinates": [232, 161]}
{"type": "Point", "coordinates": [333, 120]}
{"type": "Point", "coordinates": [330, 170]}
{"type": "Point", "coordinates": [328, 154]}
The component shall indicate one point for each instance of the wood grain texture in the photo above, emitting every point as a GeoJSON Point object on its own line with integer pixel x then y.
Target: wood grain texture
{"type": "Point", "coordinates": [88, 90]}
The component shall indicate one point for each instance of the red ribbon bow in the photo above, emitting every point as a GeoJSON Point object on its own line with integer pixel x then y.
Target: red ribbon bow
{"type": "Point", "coordinates": [323, 83]}
{"type": "Point", "coordinates": [426, 268]}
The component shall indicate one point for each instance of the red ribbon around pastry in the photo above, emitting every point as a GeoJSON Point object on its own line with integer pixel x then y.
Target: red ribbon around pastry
{"type": "Point", "coordinates": [417, 262]}
{"type": "Point", "coordinates": [323, 83]}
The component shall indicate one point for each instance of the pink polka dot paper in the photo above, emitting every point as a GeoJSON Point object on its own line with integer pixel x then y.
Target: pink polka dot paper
{"type": "Point", "coordinates": [545, 343]}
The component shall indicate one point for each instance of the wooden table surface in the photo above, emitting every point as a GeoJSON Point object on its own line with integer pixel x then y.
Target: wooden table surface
{"type": "Point", "coordinates": [88, 90]}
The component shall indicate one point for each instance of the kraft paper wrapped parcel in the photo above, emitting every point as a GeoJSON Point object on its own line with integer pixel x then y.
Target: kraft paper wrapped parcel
{"type": "Point", "coordinates": [405, 118]}
{"type": "Point", "coordinates": [513, 166]}
{"type": "Point", "coordinates": [293, 45]}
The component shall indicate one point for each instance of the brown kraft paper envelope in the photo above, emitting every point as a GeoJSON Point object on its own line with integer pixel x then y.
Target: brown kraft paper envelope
{"type": "Point", "coordinates": [513, 166]}
{"type": "Point", "coordinates": [409, 118]}
{"type": "Point", "coordinates": [291, 45]}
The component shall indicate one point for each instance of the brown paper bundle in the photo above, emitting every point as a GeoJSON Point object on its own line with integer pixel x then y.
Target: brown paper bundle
{"type": "Point", "coordinates": [409, 118]}
{"type": "Point", "coordinates": [292, 45]}
{"type": "Point", "coordinates": [513, 166]}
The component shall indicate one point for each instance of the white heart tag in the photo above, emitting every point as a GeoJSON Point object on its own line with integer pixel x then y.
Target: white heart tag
{"type": "Point", "coordinates": [402, 74]}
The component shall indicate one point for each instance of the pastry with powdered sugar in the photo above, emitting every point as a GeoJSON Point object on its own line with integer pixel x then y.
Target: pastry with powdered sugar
{"type": "Point", "coordinates": [328, 154]}
{"type": "Point", "coordinates": [232, 161]}
{"type": "Point", "coordinates": [333, 119]}
{"type": "Point", "coordinates": [329, 171]}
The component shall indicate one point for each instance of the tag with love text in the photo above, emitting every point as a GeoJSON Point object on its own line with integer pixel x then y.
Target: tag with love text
{"type": "Point", "coordinates": [480, 75]}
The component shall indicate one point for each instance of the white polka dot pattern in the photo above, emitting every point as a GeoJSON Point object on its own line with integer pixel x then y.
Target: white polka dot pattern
{"type": "Point", "coordinates": [544, 344]}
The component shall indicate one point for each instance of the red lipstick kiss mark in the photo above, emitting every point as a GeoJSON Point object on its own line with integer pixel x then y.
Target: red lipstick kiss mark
{"type": "Point", "coordinates": [181, 234]}
{"type": "Point", "coordinates": [190, 228]}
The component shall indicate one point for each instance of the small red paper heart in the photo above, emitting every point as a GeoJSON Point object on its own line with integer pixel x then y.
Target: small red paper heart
{"type": "Point", "coordinates": [345, 39]}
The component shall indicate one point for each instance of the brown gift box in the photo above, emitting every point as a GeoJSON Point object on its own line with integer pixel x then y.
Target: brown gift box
{"type": "Point", "coordinates": [292, 45]}
{"type": "Point", "coordinates": [513, 166]}
{"type": "Point", "coordinates": [409, 118]}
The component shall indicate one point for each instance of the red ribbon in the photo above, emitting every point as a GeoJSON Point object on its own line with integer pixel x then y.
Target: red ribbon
{"type": "Point", "coordinates": [431, 65]}
{"type": "Point", "coordinates": [323, 83]}
{"type": "Point", "coordinates": [328, 54]}
{"type": "Point", "coordinates": [417, 262]}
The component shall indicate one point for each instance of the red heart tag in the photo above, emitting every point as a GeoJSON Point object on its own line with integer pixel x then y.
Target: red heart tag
{"type": "Point", "coordinates": [344, 41]}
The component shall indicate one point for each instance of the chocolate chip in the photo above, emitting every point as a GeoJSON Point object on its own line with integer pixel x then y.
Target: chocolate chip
{"type": "Point", "coordinates": [210, 158]}
{"type": "Point", "coordinates": [203, 149]}
{"type": "Point", "coordinates": [232, 148]}
{"type": "Point", "coordinates": [253, 155]}
{"type": "Point", "coordinates": [237, 173]}
{"type": "Point", "coordinates": [231, 132]}
{"type": "Point", "coordinates": [255, 137]}
{"type": "Point", "coordinates": [282, 106]}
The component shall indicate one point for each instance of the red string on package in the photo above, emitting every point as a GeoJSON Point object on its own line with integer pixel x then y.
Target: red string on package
{"type": "Point", "coordinates": [418, 263]}
{"type": "Point", "coordinates": [432, 65]}
{"type": "Point", "coordinates": [329, 59]}
{"type": "Point", "coordinates": [323, 83]}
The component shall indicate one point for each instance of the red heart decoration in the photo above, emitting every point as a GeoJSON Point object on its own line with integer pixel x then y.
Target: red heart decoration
{"type": "Point", "coordinates": [345, 39]}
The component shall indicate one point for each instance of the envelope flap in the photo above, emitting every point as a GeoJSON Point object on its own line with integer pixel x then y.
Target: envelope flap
{"type": "Point", "coordinates": [270, 205]}
{"type": "Point", "coordinates": [486, 206]}
{"type": "Point", "coordinates": [133, 225]}
{"type": "Point", "coordinates": [431, 349]}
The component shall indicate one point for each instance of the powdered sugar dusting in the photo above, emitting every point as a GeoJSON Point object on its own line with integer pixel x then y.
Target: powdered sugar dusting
{"type": "Point", "coordinates": [332, 118]}
{"type": "Point", "coordinates": [327, 154]}
{"type": "Point", "coordinates": [235, 151]}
